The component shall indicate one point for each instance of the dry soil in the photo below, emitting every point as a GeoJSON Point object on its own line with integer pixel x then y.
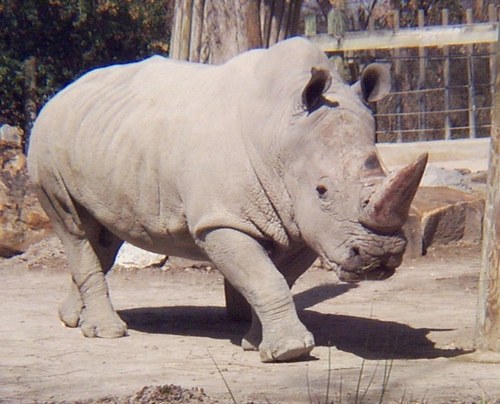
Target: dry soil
{"type": "Point", "coordinates": [407, 339]}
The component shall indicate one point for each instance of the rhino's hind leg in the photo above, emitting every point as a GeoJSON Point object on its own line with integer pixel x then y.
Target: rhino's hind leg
{"type": "Point", "coordinates": [245, 264]}
{"type": "Point", "coordinates": [90, 259]}
{"type": "Point", "coordinates": [73, 311]}
{"type": "Point", "coordinates": [90, 249]}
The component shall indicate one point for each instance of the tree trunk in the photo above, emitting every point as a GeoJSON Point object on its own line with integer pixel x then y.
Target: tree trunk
{"type": "Point", "coordinates": [213, 32]}
{"type": "Point", "coordinates": [488, 313]}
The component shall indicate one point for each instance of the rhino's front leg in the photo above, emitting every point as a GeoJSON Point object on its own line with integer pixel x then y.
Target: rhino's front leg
{"type": "Point", "coordinates": [253, 337]}
{"type": "Point", "coordinates": [292, 266]}
{"type": "Point", "coordinates": [246, 265]}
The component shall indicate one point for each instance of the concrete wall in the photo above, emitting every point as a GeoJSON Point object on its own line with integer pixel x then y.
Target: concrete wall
{"type": "Point", "coordinates": [472, 154]}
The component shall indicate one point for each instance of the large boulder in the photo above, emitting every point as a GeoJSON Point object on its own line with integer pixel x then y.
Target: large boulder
{"type": "Point", "coordinates": [448, 215]}
{"type": "Point", "coordinates": [443, 215]}
{"type": "Point", "coordinates": [449, 205]}
{"type": "Point", "coordinates": [22, 220]}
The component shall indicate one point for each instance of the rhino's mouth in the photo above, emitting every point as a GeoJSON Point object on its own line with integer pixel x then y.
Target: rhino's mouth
{"type": "Point", "coordinates": [376, 274]}
{"type": "Point", "coordinates": [356, 269]}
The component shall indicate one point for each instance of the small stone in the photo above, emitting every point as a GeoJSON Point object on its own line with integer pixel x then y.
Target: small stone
{"type": "Point", "coordinates": [131, 256]}
{"type": "Point", "coordinates": [11, 136]}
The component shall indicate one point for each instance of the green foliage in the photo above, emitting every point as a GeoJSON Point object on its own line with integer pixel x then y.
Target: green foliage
{"type": "Point", "coordinates": [11, 88]}
{"type": "Point", "coordinates": [432, 10]}
{"type": "Point", "coordinates": [70, 37]}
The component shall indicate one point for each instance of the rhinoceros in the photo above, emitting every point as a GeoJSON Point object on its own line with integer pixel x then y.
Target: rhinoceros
{"type": "Point", "coordinates": [259, 165]}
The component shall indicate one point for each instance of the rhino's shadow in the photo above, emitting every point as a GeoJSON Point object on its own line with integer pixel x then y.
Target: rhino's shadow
{"type": "Point", "coordinates": [365, 337]}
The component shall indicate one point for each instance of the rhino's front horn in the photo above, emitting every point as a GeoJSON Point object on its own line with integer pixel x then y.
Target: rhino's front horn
{"type": "Point", "coordinates": [387, 208]}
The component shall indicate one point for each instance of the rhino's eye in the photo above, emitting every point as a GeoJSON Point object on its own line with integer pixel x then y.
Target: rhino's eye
{"type": "Point", "coordinates": [321, 190]}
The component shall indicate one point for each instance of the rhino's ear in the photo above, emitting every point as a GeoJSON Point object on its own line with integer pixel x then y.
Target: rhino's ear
{"type": "Point", "coordinates": [375, 82]}
{"type": "Point", "coordinates": [313, 92]}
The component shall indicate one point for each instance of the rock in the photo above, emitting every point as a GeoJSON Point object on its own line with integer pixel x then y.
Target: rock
{"type": "Point", "coordinates": [131, 256]}
{"type": "Point", "coordinates": [11, 135]}
{"type": "Point", "coordinates": [478, 182]}
{"type": "Point", "coordinates": [22, 220]}
{"type": "Point", "coordinates": [442, 215]}
{"type": "Point", "coordinates": [462, 179]}
{"type": "Point", "coordinates": [413, 232]}
{"type": "Point", "coordinates": [435, 176]}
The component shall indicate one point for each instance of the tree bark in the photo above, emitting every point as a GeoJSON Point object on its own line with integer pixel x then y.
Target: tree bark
{"type": "Point", "coordinates": [209, 31]}
{"type": "Point", "coordinates": [488, 313]}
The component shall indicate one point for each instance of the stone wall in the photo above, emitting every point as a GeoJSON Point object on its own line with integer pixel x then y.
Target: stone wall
{"type": "Point", "coordinates": [22, 220]}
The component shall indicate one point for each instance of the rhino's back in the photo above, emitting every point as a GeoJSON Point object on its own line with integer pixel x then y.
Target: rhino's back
{"type": "Point", "coordinates": [101, 104]}
{"type": "Point", "coordinates": [146, 148]}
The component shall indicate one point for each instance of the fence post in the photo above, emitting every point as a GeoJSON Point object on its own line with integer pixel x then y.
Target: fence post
{"type": "Point", "coordinates": [446, 80]}
{"type": "Point", "coordinates": [330, 22]}
{"type": "Point", "coordinates": [470, 79]}
{"type": "Point", "coordinates": [371, 30]}
{"type": "Point", "coordinates": [421, 81]}
{"type": "Point", "coordinates": [310, 26]}
{"type": "Point", "coordinates": [488, 309]}
{"type": "Point", "coordinates": [492, 17]}
{"type": "Point", "coordinates": [397, 73]}
{"type": "Point", "coordinates": [336, 23]}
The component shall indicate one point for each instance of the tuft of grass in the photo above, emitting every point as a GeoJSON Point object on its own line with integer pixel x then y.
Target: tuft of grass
{"type": "Point", "coordinates": [329, 372]}
{"type": "Point", "coordinates": [385, 381]}
{"type": "Point", "coordinates": [308, 385]}
{"type": "Point", "coordinates": [360, 393]}
{"type": "Point", "coordinates": [223, 378]}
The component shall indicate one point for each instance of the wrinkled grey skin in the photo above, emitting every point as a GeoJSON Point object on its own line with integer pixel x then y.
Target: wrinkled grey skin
{"type": "Point", "coordinates": [259, 165]}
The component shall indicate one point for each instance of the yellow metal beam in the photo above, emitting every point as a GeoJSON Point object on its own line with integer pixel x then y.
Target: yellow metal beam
{"type": "Point", "coordinates": [409, 37]}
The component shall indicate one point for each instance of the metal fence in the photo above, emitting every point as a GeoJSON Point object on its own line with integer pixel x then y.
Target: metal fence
{"type": "Point", "coordinates": [443, 76]}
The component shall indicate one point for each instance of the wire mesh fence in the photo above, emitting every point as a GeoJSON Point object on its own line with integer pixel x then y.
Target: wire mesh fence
{"type": "Point", "coordinates": [451, 100]}
{"type": "Point", "coordinates": [443, 76]}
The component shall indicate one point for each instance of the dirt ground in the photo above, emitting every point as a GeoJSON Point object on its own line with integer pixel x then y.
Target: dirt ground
{"type": "Point", "coordinates": [408, 338]}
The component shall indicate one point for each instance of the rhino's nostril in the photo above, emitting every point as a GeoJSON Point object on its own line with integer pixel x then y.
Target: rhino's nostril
{"type": "Point", "coordinates": [394, 261]}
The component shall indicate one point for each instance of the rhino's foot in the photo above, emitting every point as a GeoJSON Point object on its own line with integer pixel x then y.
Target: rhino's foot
{"type": "Point", "coordinates": [287, 349]}
{"type": "Point", "coordinates": [71, 309]}
{"type": "Point", "coordinates": [102, 326]}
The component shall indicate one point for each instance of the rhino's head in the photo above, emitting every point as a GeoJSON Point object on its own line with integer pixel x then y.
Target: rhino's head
{"type": "Point", "coordinates": [345, 206]}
